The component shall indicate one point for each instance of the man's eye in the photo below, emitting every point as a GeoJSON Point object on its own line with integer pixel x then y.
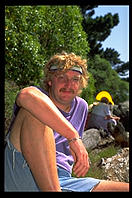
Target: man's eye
{"type": "Point", "coordinates": [61, 77]}
{"type": "Point", "coordinates": [76, 79]}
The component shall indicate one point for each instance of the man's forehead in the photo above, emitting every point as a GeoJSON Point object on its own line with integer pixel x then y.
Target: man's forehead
{"type": "Point", "coordinates": [70, 73]}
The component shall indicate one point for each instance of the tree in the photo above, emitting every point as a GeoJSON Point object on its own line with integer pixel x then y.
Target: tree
{"type": "Point", "coordinates": [119, 66]}
{"type": "Point", "coordinates": [89, 92]}
{"type": "Point", "coordinates": [112, 56]}
{"type": "Point", "coordinates": [105, 65]}
{"type": "Point", "coordinates": [23, 57]}
{"type": "Point", "coordinates": [97, 29]}
{"type": "Point", "coordinates": [107, 79]}
{"type": "Point", "coordinates": [34, 33]}
{"type": "Point", "coordinates": [88, 10]}
{"type": "Point", "coordinates": [122, 69]}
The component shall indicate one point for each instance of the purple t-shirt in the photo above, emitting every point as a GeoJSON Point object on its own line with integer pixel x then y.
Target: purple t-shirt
{"type": "Point", "coordinates": [77, 117]}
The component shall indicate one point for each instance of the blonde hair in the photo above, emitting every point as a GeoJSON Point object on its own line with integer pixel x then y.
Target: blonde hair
{"type": "Point", "coordinates": [65, 61]}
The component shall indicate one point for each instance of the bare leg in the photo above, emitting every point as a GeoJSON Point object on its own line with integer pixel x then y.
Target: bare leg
{"type": "Point", "coordinates": [38, 147]}
{"type": "Point", "coordinates": [111, 186]}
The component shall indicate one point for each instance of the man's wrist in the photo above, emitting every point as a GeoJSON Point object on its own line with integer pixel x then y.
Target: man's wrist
{"type": "Point", "coordinates": [74, 139]}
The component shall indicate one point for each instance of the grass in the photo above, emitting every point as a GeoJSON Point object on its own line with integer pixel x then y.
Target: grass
{"type": "Point", "coordinates": [95, 157]}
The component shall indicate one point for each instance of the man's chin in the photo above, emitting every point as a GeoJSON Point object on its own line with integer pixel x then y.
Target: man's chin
{"type": "Point", "coordinates": [66, 99]}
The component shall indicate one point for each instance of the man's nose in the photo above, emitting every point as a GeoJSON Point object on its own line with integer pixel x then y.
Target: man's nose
{"type": "Point", "coordinates": [68, 82]}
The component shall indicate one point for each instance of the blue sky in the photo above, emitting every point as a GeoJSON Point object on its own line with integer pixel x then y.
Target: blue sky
{"type": "Point", "coordinates": [119, 37]}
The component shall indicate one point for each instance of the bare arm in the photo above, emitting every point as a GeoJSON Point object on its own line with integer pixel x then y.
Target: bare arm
{"type": "Point", "coordinates": [108, 117]}
{"type": "Point", "coordinates": [41, 107]}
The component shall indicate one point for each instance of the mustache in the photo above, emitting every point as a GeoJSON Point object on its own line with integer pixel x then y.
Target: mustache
{"type": "Point", "coordinates": [64, 89]}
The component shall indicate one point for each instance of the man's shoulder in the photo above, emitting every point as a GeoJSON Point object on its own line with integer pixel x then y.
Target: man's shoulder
{"type": "Point", "coordinates": [41, 89]}
{"type": "Point", "coordinates": [81, 101]}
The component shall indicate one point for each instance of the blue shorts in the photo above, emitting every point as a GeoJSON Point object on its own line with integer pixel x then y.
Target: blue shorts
{"type": "Point", "coordinates": [72, 184]}
{"type": "Point", "coordinates": [18, 176]}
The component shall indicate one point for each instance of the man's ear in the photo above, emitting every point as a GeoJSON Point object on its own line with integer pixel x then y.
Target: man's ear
{"type": "Point", "coordinates": [50, 83]}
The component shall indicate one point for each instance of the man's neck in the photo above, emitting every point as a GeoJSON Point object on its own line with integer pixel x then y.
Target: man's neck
{"type": "Point", "coordinates": [64, 107]}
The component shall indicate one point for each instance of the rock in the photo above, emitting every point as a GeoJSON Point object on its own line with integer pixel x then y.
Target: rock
{"type": "Point", "coordinates": [122, 110]}
{"type": "Point", "coordinates": [91, 138]}
{"type": "Point", "coordinates": [117, 167]}
{"type": "Point", "coordinates": [104, 142]}
{"type": "Point", "coordinates": [103, 133]}
{"type": "Point", "coordinates": [119, 133]}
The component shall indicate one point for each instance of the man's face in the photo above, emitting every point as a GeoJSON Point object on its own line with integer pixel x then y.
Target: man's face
{"type": "Point", "coordinates": [64, 87]}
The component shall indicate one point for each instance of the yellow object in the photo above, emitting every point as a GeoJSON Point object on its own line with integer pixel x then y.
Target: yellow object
{"type": "Point", "coordinates": [106, 95]}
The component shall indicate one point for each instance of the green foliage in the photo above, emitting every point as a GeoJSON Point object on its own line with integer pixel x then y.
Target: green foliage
{"type": "Point", "coordinates": [89, 92]}
{"type": "Point", "coordinates": [121, 94]}
{"type": "Point", "coordinates": [95, 156]}
{"type": "Point", "coordinates": [122, 69]}
{"type": "Point", "coordinates": [107, 79]}
{"type": "Point", "coordinates": [112, 56]}
{"type": "Point", "coordinates": [11, 90]}
{"type": "Point", "coordinates": [65, 30]}
{"type": "Point", "coordinates": [34, 33]}
{"type": "Point", "coordinates": [98, 29]}
{"type": "Point", "coordinates": [23, 59]}
{"type": "Point", "coordinates": [112, 76]}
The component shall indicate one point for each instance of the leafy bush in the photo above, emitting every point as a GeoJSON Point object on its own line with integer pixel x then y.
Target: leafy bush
{"type": "Point", "coordinates": [11, 90]}
{"type": "Point", "coordinates": [89, 92]}
{"type": "Point", "coordinates": [34, 33]}
{"type": "Point", "coordinates": [107, 79]}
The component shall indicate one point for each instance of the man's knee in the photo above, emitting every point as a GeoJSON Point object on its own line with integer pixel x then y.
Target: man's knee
{"type": "Point", "coordinates": [33, 122]}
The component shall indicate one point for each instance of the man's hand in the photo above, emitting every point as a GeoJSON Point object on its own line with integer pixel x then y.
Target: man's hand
{"type": "Point", "coordinates": [81, 159]}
